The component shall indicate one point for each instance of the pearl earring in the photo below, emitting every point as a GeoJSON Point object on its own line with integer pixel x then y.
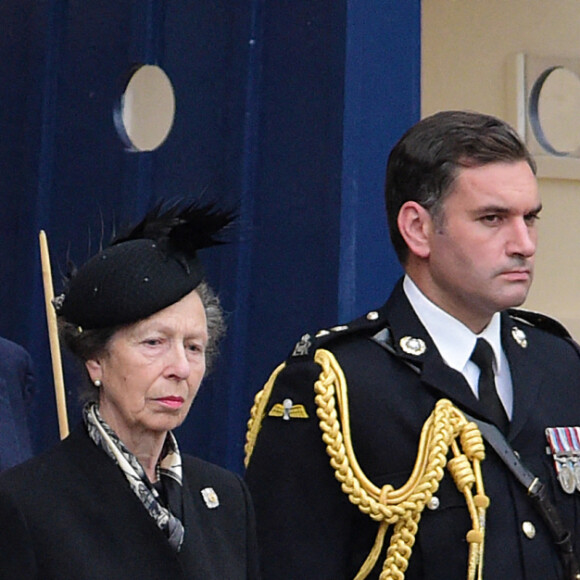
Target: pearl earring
{"type": "Point", "coordinates": [98, 383]}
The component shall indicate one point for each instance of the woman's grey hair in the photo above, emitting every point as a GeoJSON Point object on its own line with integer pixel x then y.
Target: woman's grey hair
{"type": "Point", "coordinates": [87, 344]}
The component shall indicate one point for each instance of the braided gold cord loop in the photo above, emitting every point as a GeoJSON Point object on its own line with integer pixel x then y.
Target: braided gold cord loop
{"type": "Point", "coordinates": [472, 442]}
{"type": "Point", "coordinates": [257, 413]}
{"type": "Point", "coordinates": [461, 471]}
{"type": "Point", "coordinates": [403, 507]}
{"type": "Point", "coordinates": [444, 430]}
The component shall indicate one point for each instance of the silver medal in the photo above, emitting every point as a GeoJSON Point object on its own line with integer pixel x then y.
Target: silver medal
{"type": "Point", "coordinates": [566, 478]}
{"type": "Point", "coordinates": [577, 475]}
{"type": "Point", "coordinates": [564, 446]}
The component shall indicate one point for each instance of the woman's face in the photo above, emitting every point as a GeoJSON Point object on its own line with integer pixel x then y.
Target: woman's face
{"type": "Point", "coordinates": [152, 370]}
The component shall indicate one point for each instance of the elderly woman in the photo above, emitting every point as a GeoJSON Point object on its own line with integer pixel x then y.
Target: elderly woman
{"type": "Point", "coordinates": [116, 499]}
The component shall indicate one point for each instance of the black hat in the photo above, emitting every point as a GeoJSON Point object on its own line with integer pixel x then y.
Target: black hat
{"type": "Point", "coordinates": [150, 268]}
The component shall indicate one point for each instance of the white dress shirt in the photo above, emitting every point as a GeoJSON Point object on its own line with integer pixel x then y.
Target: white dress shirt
{"type": "Point", "coordinates": [455, 342]}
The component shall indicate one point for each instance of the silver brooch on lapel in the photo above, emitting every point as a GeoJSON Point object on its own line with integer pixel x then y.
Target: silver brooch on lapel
{"type": "Point", "coordinates": [412, 345]}
{"type": "Point", "coordinates": [210, 497]}
{"type": "Point", "coordinates": [520, 336]}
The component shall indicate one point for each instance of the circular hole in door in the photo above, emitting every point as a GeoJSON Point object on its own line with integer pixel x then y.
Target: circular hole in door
{"type": "Point", "coordinates": [145, 112]}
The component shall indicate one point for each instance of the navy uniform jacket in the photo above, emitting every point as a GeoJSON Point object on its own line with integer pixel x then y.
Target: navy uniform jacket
{"type": "Point", "coordinates": [16, 385]}
{"type": "Point", "coordinates": [69, 514]}
{"type": "Point", "coordinates": [308, 529]}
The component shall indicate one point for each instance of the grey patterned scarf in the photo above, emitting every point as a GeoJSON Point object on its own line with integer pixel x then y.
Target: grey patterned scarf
{"type": "Point", "coordinates": [169, 467]}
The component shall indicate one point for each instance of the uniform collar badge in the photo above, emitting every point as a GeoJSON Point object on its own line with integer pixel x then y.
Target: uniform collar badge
{"type": "Point", "coordinates": [210, 497]}
{"type": "Point", "coordinates": [520, 336]}
{"type": "Point", "coordinates": [412, 345]}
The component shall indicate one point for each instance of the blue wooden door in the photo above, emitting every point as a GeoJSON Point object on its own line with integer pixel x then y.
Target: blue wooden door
{"type": "Point", "coordinates": [285, 108]}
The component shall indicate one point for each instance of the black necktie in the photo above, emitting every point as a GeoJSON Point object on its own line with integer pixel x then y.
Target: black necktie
{"type": "Point", "coordinates": [482, 356]}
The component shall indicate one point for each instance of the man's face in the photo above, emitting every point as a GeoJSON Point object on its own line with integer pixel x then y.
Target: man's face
{"type": "Point", "coordinates": [481, 250]}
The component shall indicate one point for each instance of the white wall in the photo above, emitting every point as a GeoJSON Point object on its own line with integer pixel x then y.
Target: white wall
{"type": "Point", "coordinates": [467, 48]}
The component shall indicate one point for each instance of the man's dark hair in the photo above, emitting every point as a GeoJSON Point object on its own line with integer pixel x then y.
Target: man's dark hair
{"type": "Point", "coordinates": [425, 162]}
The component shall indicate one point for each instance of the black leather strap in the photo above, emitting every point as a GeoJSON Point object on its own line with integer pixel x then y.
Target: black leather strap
{"type": "Point", "coordinates": [498, 443]}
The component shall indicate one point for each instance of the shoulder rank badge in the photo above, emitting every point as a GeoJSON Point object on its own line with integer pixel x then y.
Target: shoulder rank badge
{"type": "Point", "coordinates": [288, 410]}
{"type": "Point", "coordinates": [302, 346]}
{"type": "Point", "coordinates": [564, 445]}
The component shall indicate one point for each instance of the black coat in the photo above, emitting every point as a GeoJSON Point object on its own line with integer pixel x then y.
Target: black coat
{"type": "Point", "coordinates": [70, 514]}
{"type": "Point", "coordinates": [308, 529]}
{"type": "Point", "coordinates": [16, 390]}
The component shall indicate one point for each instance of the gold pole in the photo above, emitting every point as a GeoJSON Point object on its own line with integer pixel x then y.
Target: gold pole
{"type": "Point", "coordinates": [53, 338]}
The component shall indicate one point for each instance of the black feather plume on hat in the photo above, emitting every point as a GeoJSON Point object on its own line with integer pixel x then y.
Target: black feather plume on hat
{"type": "Point", "coordinates": [182, 231]}
{"type": "Point", "coordinates": [188, 228]}
{"type": "Point", "coordinates": [150, 267]}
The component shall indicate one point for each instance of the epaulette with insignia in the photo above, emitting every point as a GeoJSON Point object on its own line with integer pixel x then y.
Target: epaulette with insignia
{"type": "Point", "coordinates": [541, 321]}
{"type": "Point", "coordinates": [369, 323]}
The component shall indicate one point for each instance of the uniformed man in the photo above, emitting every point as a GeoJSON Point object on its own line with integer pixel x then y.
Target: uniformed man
{"type": "Point", "coordinates": [378, 448]}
